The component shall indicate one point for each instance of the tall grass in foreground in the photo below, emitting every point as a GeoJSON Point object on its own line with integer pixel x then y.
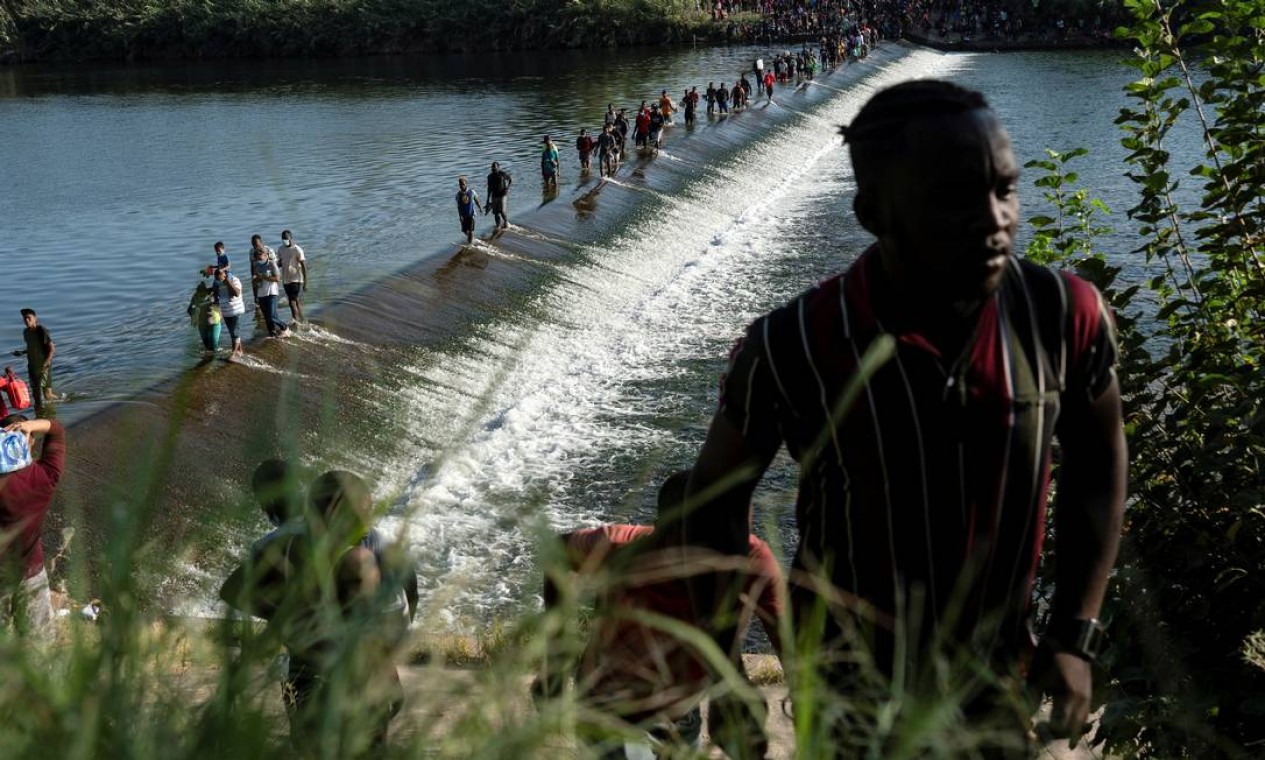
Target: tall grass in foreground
{"type": "Point", "coordinates": [133, 685]}
{"type": "Point", "coordinates": [162, 29]}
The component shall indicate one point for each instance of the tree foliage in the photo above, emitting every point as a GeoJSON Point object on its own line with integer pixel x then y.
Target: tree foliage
{"type": "Point", "coordinates": [162, 29]}
{"type": "Point", "coordinates": [1190, 591]}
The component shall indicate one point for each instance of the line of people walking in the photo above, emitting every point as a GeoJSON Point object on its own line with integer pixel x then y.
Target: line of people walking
{"type": "Point", "coordinates": [647, 128]}
{"type": "Point", "coordinates": [218, 300]}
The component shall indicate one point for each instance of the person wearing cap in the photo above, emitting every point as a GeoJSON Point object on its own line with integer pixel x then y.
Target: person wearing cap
{"type": "Point", "coordinates": [26, 491]}
{"type": "Point", "coordinates": [293, 265]}
{"type": "Point", "coordinates": [549, 163]}
{"type": "Point", "coordinates": [39, 353]}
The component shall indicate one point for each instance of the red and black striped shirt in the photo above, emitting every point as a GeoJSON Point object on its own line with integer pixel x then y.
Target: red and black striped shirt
{"type": "Point", "coordinates": [926, 498]}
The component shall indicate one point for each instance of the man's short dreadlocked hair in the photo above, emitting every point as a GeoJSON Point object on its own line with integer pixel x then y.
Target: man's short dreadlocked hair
{"type": "Point", "coordinates": [877, 134]}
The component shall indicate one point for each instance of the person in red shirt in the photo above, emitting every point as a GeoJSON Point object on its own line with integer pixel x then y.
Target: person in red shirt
{"type": "Point", "coordinates": [642, 127]}
{"type": "Point", "coordinates": [631, 667]}
{"type": "Point", "coordinates": [26, 490]}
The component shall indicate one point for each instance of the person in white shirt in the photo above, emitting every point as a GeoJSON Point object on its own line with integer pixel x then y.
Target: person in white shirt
{"type": "Point", "coordinates": [256, 245]}
{"type": "Point", "coordinates": [293, 266]}
{"type": "Point", "coordinates": [266, 277]}
{"type": "Point", "coordinates": [227, 291]}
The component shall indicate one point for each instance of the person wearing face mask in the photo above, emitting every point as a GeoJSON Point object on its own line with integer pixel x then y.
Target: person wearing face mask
{"type": "Point", "coordinates": [293, 265]}
{"type": "Point", "coordinates": [257, 245]}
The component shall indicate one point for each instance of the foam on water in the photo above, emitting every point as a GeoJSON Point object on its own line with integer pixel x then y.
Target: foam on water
{"type": "Point", "coordinates": [511, 419]}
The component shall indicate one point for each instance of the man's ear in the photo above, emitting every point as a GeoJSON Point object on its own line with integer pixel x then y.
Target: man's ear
{"type": "Point", "coordinates": [864, 208]}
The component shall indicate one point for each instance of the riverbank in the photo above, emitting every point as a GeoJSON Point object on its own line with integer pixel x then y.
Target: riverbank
{"type": "Point", "coordinates": [126, 30]}
{"type": "Point", "coordinates": [959, 43]}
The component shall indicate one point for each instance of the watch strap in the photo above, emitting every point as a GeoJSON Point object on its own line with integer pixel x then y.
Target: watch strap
{"type": "Point", "coordinates": [1085, 638]}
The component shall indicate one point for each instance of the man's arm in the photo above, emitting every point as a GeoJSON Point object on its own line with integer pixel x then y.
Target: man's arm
{"type": "Point", "coordinates": [552, 677]}
{"type": "Point", "coordinates": [50, 347]}
{"type": "Point", "coordinates": [53, 455]}
{"type": "Point", "coordinates": [718, 517]}
{"type": "Point", "coordinates": [1087, 522]}
{"type": "Point", "coordinates": [303, 269]}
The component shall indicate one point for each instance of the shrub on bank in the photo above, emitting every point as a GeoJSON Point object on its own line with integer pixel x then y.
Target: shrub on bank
{"type": "Point", "coordinates": [81, 30]}
{"type": "Point", "coordinates": [1184, 675]}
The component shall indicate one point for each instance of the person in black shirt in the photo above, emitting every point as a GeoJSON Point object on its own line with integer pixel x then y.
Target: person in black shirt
{"type": "Point", "coordinates": [656, 126]}
{"type": "Point", "coordinates": [39, 353]}
{"type": "Point", "coordinates": [498, 196]}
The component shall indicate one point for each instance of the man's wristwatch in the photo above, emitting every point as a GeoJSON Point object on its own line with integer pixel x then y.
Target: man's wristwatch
{"type": "Point", "coordinates": [1078, 636]}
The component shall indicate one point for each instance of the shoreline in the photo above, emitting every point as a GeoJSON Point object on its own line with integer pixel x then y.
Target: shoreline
{"type": "Point", "coordinates": [169, 467]}
{"type": "Point", "coordinates": [194, 33]}
{"type": "Point", "coordinates": [1005, 45]}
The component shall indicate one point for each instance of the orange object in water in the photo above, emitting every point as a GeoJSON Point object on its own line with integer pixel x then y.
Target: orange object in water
{"type": "Point", "coordinates": [18, 392]}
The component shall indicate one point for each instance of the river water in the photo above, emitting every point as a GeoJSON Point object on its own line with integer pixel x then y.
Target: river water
{"type": "Point", "coordinates": [568, 403]}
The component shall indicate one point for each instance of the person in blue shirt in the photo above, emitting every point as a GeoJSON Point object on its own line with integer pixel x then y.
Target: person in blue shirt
{"type": "Point", "coordinates": [549, 163]}
{"type": "Point", "coordinates": [221, 258]}
{"type": "Point", "coordinates": [467, 205]}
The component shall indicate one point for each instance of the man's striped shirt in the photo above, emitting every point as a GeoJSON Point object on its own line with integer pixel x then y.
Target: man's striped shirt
{"type": "Point", "coordinates": [926, 498]}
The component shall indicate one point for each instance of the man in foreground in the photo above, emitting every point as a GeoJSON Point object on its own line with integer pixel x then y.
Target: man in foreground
{"type": "Point", "coordinates": [338, 607]}
{"type": "Point", "coordinates": [26, 491]}
{"type": "Point", "coordinates": [920, 393]}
